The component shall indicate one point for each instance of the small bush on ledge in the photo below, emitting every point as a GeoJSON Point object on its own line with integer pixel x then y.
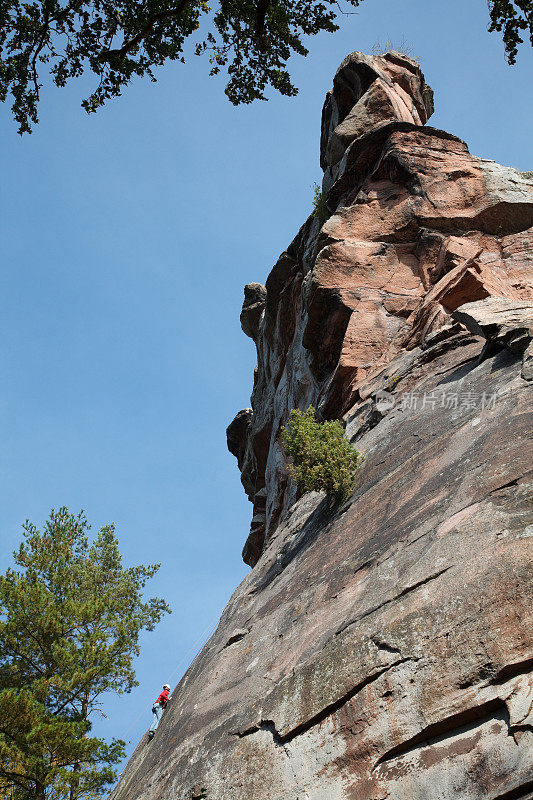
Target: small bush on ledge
{"type": "Point", "coordinates": [322, 457]}
{"type": "Point", "coordinates": [320, 207]}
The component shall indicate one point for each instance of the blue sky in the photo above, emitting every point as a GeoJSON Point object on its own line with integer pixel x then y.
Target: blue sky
{"type": "Point", "coordinates": [126, 239]}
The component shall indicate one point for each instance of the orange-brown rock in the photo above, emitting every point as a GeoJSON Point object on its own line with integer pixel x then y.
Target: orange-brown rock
{"type": "Point", "coordinates": [382, 650]}
{"type": "Point", "coordinates": [418, 227]}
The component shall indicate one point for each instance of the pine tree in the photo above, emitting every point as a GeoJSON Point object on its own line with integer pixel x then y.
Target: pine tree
{"type": "Point", "coordinates": [70, 620]}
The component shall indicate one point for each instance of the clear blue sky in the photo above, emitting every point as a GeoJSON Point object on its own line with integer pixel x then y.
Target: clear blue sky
{"type": "Point", "coordinates": [126, 240]}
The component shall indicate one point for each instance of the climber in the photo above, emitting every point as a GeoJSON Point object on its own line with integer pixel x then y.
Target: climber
{"type": "Point", "coordinates": [158, 708]}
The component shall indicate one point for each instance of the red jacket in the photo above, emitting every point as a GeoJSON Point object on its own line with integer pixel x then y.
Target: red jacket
{"type": "Point", "coordinates": [163, 698]}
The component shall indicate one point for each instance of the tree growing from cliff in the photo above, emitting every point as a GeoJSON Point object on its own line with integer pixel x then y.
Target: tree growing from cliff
{"type": "Point", "coordinates": [116, 40]}
{"type": "Point", "coordinates": [321, 455]}
{"type": "Point", "coordinates": [70, 619]}
{"type": "Point", "coordinates": [320, 207]}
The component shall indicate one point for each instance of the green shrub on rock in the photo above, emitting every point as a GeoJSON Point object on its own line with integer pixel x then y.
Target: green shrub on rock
{"type": "Point", "coordinates": [322, 457]}
{"type": "Point", "coordinates": [320, 206]}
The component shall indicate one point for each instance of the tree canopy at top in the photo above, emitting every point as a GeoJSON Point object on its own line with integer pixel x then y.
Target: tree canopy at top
{"type": "Point", "coordinates": [118, 39]}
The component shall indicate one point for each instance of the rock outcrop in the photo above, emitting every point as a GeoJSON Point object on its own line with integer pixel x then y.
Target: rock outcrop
{"type": "Point", "coordinates": [417, 228]}
{"type": "Point", "coordinates": [383, 649]}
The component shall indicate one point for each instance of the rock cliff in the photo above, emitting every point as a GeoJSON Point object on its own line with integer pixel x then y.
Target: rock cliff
{"type": "Point", "coordinates": [382, 649]}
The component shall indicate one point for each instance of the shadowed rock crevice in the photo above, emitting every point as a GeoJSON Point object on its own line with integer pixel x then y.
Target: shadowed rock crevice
{"type": "Point", "coordinates": [512, 670]}
{"type": "Point", "coordinates": [403, 593]}
{"type": "Point", "coordinates": [456, 725]}
{"type": "Point", "coordinates": [522, 792]}
{"type": "Point", "coordinates": [326, 712]}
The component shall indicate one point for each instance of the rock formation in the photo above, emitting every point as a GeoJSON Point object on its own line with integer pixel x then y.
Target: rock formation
{"type": "Point", "coordinates": [382, 649]}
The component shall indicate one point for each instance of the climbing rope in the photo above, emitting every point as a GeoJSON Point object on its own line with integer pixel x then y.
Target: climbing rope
{"type": "Point", "coordinates": [195, 648]}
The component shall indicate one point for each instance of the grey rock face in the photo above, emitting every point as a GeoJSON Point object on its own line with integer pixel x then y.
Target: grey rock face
{"type": "Point", "coordinates": [502, 322]}
{"type": "Point", "coordinates": [382, 650]}
{"type": "Point", "coordinates": [237, 432]}
{"type": "Point", "coordinates": [252, 308]}
{"type": "Point", "coordinates": [237, 441]}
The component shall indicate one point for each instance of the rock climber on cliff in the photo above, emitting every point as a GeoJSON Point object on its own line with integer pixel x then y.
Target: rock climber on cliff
{"type": "Point", "coordinates": [158, 708]}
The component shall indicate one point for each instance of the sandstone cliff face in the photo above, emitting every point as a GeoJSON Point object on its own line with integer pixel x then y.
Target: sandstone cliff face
{"type": "Point", "coordinates": [384, 649]}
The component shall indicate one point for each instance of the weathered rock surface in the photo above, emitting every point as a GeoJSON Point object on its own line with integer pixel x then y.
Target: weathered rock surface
{"type": "Point", "coordinates": [382, 650]}
{"type": "Point", "coordinates": [418, 227]}
{"type": "Point", "coordinates": [252, 308]}
{"type": "Point", "coordinates": [503, 323]}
